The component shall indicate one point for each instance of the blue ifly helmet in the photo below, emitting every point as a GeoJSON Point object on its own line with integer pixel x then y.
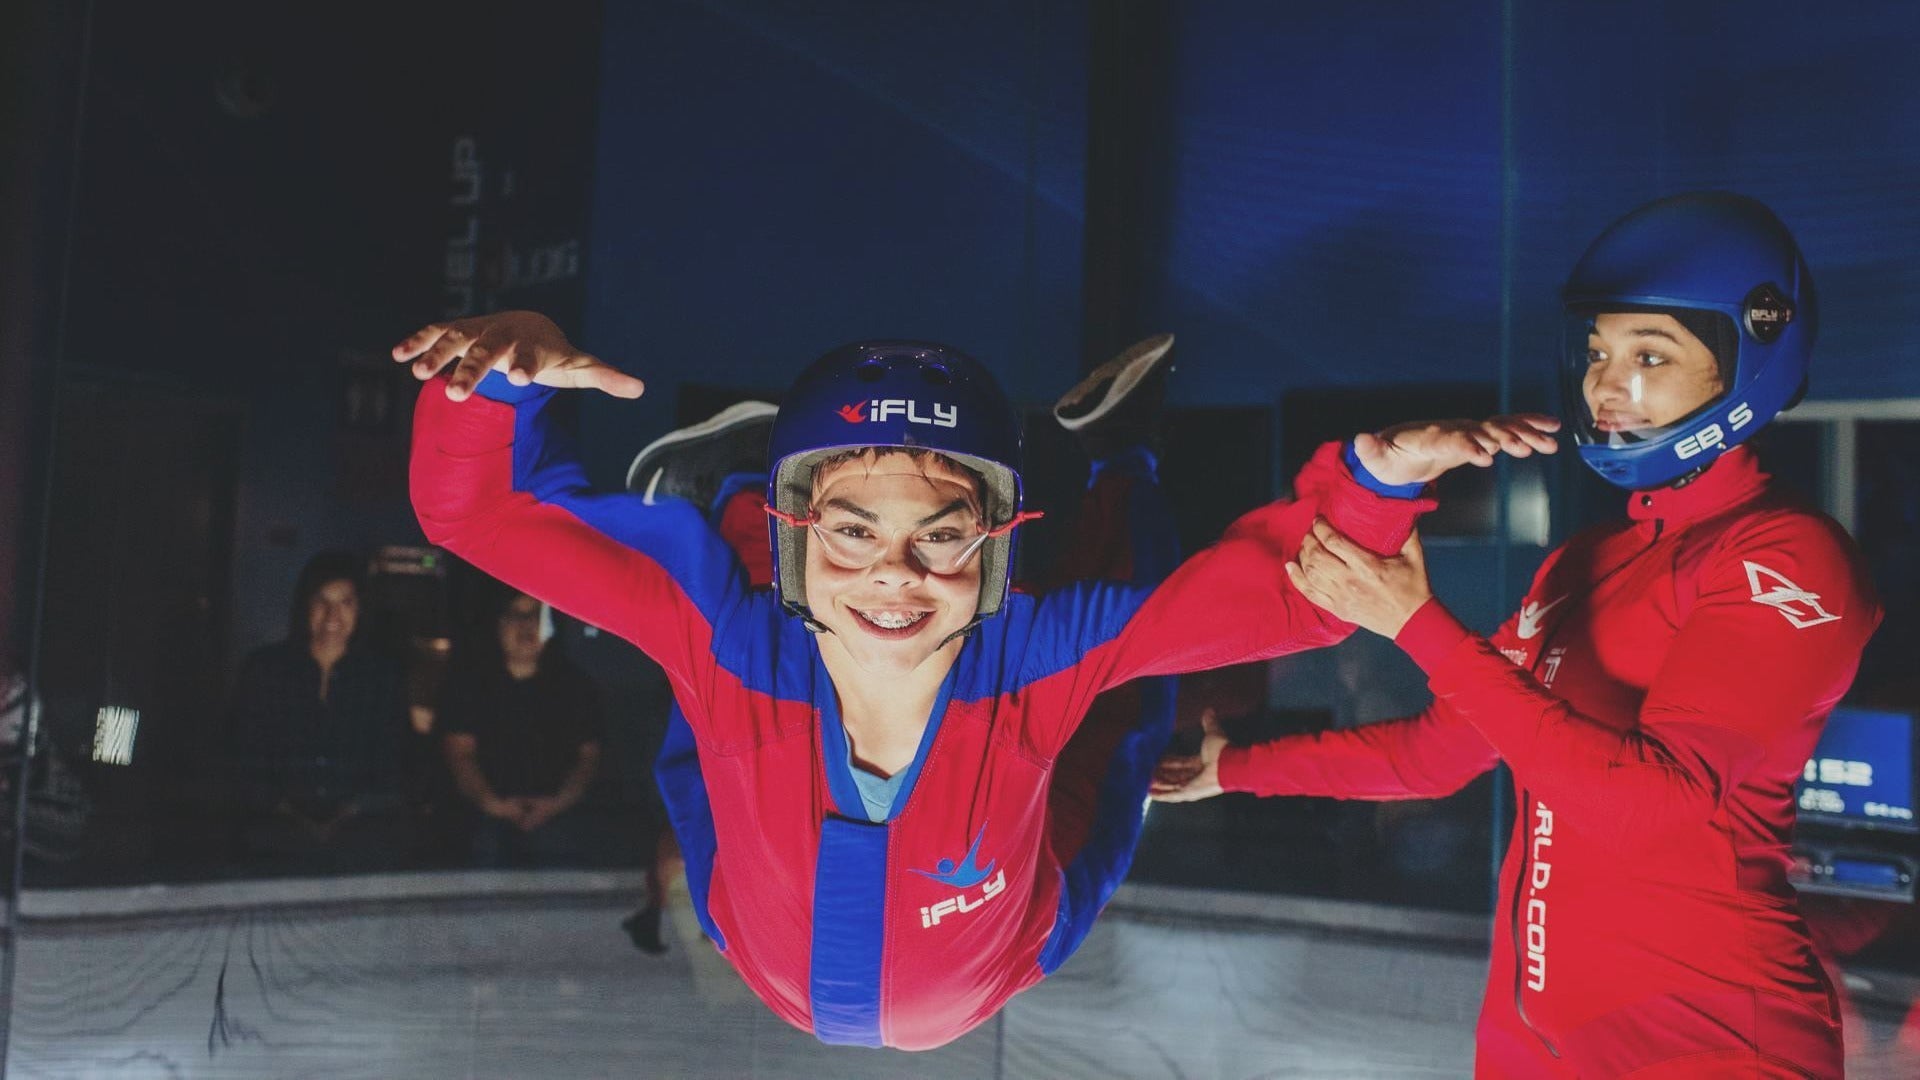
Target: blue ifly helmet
{"type": "Point", "coordinates": [905, 394]}
{"type": "Point", "coordinates": [1728, 270]}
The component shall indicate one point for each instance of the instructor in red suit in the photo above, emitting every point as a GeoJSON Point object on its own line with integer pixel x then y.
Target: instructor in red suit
{"type": "Point", "coordinates": [1657, 694]}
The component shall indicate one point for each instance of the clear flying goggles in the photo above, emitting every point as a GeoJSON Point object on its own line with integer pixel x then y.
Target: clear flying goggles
{"type": "Point", "coordinates": [944, 547]}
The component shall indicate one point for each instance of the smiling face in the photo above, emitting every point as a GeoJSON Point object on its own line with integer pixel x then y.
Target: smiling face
{"type": "Point", "coordinates": [1645, 371]}
{"type": "Point", "coordinates": [332, 614]}
{"type": "Point", "coordinates": [913, 515]}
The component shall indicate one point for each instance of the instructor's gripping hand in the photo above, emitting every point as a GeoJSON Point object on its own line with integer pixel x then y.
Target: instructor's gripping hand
{"type": "Point", "coordinates": [524, 344]}
{"type": "Point", "coordinates": [1356, 585]}
{"type": "Point", "coordinates": [1191, 777]}
{"type": "Point", "coordinates": [1418, 452]}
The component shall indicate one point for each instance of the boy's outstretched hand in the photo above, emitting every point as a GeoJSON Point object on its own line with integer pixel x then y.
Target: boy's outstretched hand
{"type": "Point", "coordinates": [1418, 452]}
{"type": "Point", "coordinates": [526, 345]}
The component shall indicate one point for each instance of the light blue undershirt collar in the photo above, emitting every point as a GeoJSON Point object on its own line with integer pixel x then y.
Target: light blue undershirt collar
{"type": "Point", "coordinates": [875, 791]}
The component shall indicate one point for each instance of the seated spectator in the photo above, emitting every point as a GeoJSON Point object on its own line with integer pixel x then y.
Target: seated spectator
{"type": "Point", "coordinates": [318, 720]}
{"type": "Point", "coordinates": [521, 729]}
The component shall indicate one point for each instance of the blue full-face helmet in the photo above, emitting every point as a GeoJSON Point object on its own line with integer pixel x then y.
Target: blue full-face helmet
{"type": "Point", "coordinates": [898, 394]}
{"type": "Point", "coordinates": [1727, 268]}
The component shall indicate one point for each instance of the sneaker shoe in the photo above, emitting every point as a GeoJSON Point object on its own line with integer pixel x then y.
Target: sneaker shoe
{"type": "Point", "coordinates": [1107, 387]}
{"type": "Point", "coordinates": [693, 462]}
{"type": "Point", "coordinates": [643, 927]}
{"type": "Point", "coordinates": [1118, 403]}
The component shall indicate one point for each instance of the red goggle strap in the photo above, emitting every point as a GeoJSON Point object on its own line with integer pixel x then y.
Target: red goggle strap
{"type": "Point", "coordinates": [794, 520]}
{"type": "Point", "coordinates": [1020, 518]}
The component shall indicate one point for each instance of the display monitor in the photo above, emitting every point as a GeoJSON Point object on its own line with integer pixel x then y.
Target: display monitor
{"type": "Point", "coordinates": [1861, 775]}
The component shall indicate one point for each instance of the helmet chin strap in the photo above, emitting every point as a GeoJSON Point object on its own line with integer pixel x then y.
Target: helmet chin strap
{"type": "Point", "coordinates": [1682, 481]}
{"type": "Point", "coordinates": [960, 633]}
{"type": "Point", "coordinates": [813, 625]}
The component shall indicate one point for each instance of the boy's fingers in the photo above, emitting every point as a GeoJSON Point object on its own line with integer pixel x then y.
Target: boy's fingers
{"type": "Point", "coordinates": [1480, 445]}
{"type": "Point", "coordinates": [467, 375]}
{"type": "Point", "coordinates": [611, 380]}
{"type": "Point", "coordinates": [419, 341]}
{"type": "Point", "coordinates": [442, 351]}
{"type": "Point", "coordinates": [521, 365]}
{"type": "Point", "coordinates": [1521, 429]}
{"type": "Point", "coordinates": [1513, 444]}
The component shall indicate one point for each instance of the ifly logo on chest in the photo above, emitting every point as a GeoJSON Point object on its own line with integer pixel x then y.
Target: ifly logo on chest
{"type": "Point", "coordinates": [964, 875]}
{"type": "Point", "coordinates": [879, 410]}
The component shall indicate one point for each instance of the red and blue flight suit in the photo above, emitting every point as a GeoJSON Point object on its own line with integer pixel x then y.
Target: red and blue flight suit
{"type": "Point", "coordinates": [906, 932]}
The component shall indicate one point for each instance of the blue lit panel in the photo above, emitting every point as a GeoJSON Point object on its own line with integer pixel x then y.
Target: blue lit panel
{"type": "Point", "coordinates": [1864, 873]}
{"type": "Point", "coordinates": [1862, 772]}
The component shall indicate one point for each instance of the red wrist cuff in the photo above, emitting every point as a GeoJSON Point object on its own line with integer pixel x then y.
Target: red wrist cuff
{"type": "Point", "coordinates": [1431, 635]}
{"type": "Point", "coordinates": [1230, 768]}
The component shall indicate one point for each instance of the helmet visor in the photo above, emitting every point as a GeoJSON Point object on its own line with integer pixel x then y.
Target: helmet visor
{"type": "Point", "coordinates": [1638, 376]}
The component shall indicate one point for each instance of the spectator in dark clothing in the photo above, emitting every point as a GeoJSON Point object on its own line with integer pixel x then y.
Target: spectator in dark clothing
{"type": "Point", "coordinates": [319, 720]}
{"type": "Point", "coordinates": [521, 730]}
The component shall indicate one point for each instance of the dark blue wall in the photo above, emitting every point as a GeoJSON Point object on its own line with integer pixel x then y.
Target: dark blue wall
{"type": "Point", "coordinates": [1814, 108]}
{"type": "Point", "coordinates": [775, 179]}
{"type": "Point", "coordinates": [1337, 200]}
{"type": "Point", "coordinates": [1340, 174]}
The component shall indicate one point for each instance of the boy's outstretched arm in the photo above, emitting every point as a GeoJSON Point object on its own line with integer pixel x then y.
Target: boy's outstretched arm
{"type": "Point", "coordinates": [496, 483]}
{"type": "Point", "coordinates": [1235, 602]}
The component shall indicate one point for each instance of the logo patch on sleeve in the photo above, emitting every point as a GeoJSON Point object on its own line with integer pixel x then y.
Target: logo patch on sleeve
{"type": "Point", "coordinates": [1800, 607]}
